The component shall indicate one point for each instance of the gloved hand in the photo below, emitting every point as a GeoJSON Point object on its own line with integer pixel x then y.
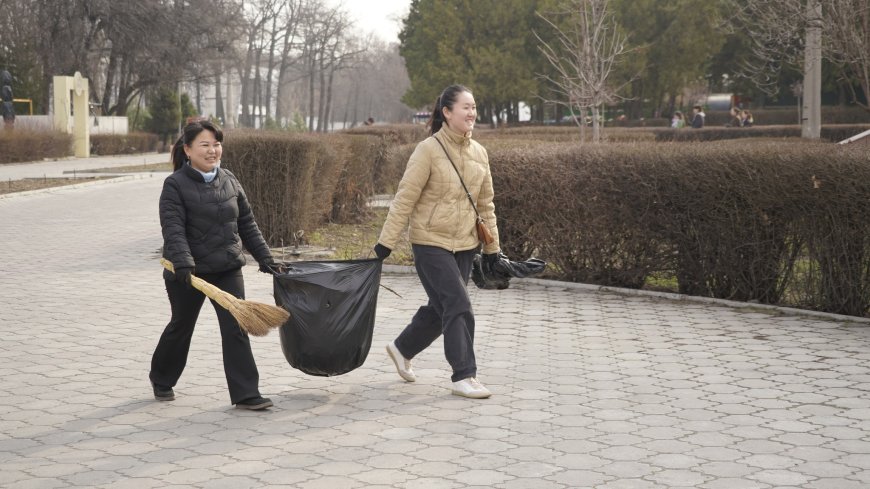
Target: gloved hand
{"type": "Point", "coordinates": [268, 265]}
{"type": "Point", "coordinates": [492, 258]}
{"type": "Point", "coordinates": [382, 251]}
{"type": "Point", "coordinates": [183, 275]}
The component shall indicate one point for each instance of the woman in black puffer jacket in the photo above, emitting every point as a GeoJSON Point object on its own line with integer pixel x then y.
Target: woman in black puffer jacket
{"type": "Point", "coordinates": [206, 219]}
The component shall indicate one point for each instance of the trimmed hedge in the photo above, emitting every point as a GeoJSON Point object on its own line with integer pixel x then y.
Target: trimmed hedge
{"type": "Point", "coordinates": [779, 223]}
{"type": "Point", "coordinates": [789, 116]}
{"type": "Point", "coordinates": [300, 181]}
{"type": "Point", "coordinates": [120, 144]}
{"type": "Point", "coordinates": [22, 145]}
{"type": "Point", "coordinates": [288, 179]}
{"type": "Point", "coordinates": [387, 170]}
{"type": "Point", "coordinates": [560, 134]}
{"type": "Point", "coordinates": [833, 133]}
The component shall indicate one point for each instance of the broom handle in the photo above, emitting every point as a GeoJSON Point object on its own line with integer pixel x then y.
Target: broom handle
{"type": "Point", "coordinates": [202, 286]}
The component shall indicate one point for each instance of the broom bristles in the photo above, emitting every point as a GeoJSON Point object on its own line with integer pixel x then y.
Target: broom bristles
{"type": "Point", "coordinates": [254, 318]}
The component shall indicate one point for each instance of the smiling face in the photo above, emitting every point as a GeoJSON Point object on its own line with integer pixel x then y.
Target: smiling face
{"type": "Point", "coordinates": [462, 115]}
{"type": "Point", "coordinates": [204, 152]}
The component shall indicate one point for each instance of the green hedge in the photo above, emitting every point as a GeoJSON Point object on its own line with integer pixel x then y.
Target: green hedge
{"type": "Point", "coordinates": [773, 222]}
{"type": "Point", "coordinates": [22, 145]}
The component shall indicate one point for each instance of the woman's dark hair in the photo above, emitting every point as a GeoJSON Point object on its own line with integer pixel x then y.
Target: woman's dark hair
{"type": "Point", "coordinates": [188, 134]}
{"type": "Point", "coordinates": [446, 99]}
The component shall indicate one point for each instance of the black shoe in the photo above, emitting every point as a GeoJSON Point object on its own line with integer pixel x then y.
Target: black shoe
{"type": "Point", "coordinates": [254, 403]}
{"type": "Point", "coordinates": [162, 393]}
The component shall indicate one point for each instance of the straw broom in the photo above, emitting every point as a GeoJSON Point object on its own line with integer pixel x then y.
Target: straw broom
{"type": "Point", "coordinates": [253, 317]}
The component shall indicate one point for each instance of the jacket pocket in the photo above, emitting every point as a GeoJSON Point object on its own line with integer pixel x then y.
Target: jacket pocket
{"type": "Point", "coordinates": [432, 214]}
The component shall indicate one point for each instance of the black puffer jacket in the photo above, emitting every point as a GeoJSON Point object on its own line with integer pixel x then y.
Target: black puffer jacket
{"type": "Point", "coordinates": [205, 224]}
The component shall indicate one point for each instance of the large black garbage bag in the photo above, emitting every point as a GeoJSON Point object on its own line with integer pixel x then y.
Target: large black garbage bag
{"type": "Point", "coordinates": [332, 313]}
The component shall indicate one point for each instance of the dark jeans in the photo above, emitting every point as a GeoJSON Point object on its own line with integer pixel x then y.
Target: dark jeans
{"type": "Point", "coordinates": [170, 356]}
{"type": "Point", "coordinates": [444, 276]}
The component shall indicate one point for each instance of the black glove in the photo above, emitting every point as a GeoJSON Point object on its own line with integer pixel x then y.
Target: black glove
{"type": "Point", "coordinates": [382, 251]}
{"type": "Point", "coordinates": [268, 265]}
{"type": "Point", "coordinates": [182, 275]}
{"type": "Point", "coordinates": [492, 258]}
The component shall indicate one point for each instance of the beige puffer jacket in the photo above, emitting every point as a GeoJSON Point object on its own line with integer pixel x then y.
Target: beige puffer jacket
{"type": "Point", "coordinates": [430, 200]}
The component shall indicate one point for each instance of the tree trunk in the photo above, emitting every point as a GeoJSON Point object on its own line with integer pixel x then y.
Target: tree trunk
{"type": "Point", "coordinates": [110, 82]}
{"type": "Point", "coordinates": [219, 100]}
{"type": "Point", "coordinates": [270, 67]}
{"type": "Point", "coordinates": [811, 126]}
{"type": "Point", "coordinates": [257, 111]}
{"type": "Point", "coordinates": [321, 100]}
{"type": "Point", "coordinates": [596, 125]}
{"type": "Point", "coordinates": [328, 115]}
{"type": "Point", "coordinates": [312, 64]}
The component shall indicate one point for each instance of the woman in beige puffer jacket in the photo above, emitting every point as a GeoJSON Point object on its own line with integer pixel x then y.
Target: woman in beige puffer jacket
{"type": "Point", "coordinates": [432, 203]}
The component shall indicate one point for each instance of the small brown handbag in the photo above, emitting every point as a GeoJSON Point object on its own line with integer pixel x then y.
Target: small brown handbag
{"type": "Point", "coordinates": [483, 233]}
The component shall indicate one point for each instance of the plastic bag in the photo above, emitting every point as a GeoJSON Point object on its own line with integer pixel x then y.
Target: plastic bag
{"type": "Point", "coordinates": [497, 275]}
{"type": "Point", "coordinates": [332, 313]}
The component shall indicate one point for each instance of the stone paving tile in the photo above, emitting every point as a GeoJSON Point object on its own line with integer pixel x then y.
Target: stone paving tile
{"type": "Point", "coordinates": [591, 389]}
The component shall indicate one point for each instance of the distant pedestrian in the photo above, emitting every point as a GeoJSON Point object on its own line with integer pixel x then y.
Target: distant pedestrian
{"type": "Point", "coordinates": [678, 121]}
{"type": "Point", "coordinates": [746, 119]}
{"type": "Point", "coordinates": [734, 120]}
{"type": "Point", "coordinates": [698, 117]}
{"type": "Point", "coordinates": [206, 219]}
{"type": "Point", "coordinates": [431, 199]}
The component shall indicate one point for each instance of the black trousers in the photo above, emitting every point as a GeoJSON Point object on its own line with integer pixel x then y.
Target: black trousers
{"type": "Point", "coordinates": [444, 276]}
{"type": "Point", "coordinates": [170, 356]}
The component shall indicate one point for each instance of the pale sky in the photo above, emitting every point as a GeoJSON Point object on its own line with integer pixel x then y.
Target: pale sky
{"type": "Point", "coordinates": [379, 16]}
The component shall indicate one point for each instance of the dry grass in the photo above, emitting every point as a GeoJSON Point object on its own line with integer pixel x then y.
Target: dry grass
{"type": "Point", "coordinates": [352, 241]}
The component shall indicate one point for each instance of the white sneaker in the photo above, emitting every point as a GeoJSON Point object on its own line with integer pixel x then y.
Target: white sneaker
{"type": "Point", "coordinates": [403, 365]}
{"type": "Point", "coordinates": [470, 387]}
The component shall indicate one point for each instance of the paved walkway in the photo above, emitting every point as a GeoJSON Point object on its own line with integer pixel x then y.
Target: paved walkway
{"type": "Point", "coordinates": [66, 167]}
{"type": "Point", "coordinates": [591, 389]}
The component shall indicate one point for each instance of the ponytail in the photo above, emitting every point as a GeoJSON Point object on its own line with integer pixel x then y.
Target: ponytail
{"type": "Point", "coordinates": [446, 99]}
{"type": "Point", "coordinates": [177, 154]}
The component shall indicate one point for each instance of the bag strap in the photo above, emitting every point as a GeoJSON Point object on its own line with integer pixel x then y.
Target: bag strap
{"type": "Point", "coordinates": [467, 193]}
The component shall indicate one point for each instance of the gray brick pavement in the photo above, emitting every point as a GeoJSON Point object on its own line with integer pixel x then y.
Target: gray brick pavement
{"type": "Point", "coordinates": [591, 389]}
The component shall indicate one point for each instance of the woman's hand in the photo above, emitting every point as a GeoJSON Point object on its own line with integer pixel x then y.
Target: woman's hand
{"type": "Point", "coordinates": [382, 251]}
{"type": "Point", "coordinates": [183, 275]}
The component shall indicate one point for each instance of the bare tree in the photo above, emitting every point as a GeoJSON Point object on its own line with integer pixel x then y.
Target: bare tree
{"type": "Point", "coordinates": [258, 15]}
{"type": "Point", "coordinates": [797, 34]}
{"type": "Point", "coordinates": [585, 53]}
{"type": "Point", "coordinates": [849, 42]}
{"type": "Point", "coordinates": [288, 57]}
